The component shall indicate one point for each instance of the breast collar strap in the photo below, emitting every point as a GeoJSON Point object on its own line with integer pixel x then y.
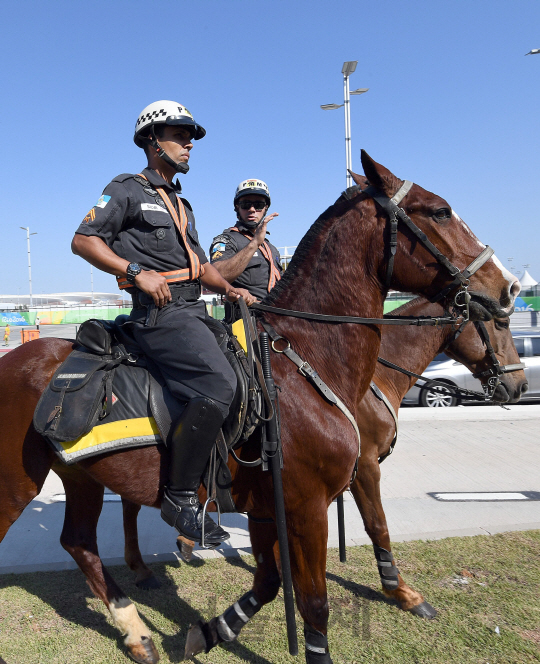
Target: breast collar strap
{"type": "Point", "coordinates": [306, 370]}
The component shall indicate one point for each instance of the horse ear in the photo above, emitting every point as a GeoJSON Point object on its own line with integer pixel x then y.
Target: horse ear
{"type": "Point", "coordinates": [359, 179]}
{"type": "Point", "coordinates": [379, 176]}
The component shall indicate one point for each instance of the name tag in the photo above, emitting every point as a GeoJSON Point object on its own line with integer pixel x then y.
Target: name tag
{"type": "Point", "coordinates": [152, 207]}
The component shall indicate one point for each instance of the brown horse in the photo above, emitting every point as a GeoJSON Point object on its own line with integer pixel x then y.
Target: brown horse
{"type": "Point", "coordinates": [339, 268]}
{"type": "Point", "coordinates": [412, 349]}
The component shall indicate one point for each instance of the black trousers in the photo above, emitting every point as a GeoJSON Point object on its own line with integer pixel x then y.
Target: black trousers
{"type": "Point", "coordinates": [178, 340]}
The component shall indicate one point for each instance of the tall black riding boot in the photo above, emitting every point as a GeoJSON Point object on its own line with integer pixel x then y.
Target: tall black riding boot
{"type": "Point", "coordinates": [192, 440]}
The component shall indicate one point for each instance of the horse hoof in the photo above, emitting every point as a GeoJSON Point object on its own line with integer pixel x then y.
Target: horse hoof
{"type": "Point", "coordinates": [144, 652]}
{"type": "Point", "coordinates": [150, 583]}
{"type": "Point", "coordinates": [185, 547]}
{"type": "Point", "coordinates": [424, 610]}
{"type": "Point", "coordinates": [195, 641]}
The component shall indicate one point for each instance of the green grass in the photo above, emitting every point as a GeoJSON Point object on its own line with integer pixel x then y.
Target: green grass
{"type": "Point", "coordinates": [52, 618]}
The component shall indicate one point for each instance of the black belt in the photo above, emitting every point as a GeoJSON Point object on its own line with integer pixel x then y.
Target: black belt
{"type": "Point", "coordinates": [189, 292]}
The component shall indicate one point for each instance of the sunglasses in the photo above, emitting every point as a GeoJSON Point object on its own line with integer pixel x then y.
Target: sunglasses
{"type": "Point", "coordinates": [246, 205]}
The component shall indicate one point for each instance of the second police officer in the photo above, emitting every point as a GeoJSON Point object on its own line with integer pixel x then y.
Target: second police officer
{"type": "Point", "coordinates": [143, 231]}
{"type": "Point", "coordinates": [242, 254]}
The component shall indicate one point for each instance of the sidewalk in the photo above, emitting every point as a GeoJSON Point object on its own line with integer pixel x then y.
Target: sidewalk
{"type": "Point", "coordinates": [475, 448]}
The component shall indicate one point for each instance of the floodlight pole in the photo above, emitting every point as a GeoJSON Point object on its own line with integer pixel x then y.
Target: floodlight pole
{"type": "Point", "coordinates": [28, 234]}
{"type": "Point", "coordinates": [347, 103]}
{"type": "Point", "coordinates": [348, 68]}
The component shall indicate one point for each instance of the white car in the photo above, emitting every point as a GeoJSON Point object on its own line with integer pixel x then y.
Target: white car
{"type": "Point", "coordinates": [454, 373]}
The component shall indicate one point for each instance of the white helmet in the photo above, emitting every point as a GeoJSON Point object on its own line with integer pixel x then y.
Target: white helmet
{"type": "Point", "coordinates": [252, 186]}
{"type": "Point", "coordinates": [169, 113]}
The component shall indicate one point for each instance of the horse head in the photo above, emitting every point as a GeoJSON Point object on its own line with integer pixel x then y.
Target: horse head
{"type": "Point", "coordinates": [475, 352]}
{"type": "Point", "coordinates": [416, 269]}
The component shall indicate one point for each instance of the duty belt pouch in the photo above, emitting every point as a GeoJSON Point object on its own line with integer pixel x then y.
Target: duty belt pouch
{"type": "Point", "coordinates": [79, 394]}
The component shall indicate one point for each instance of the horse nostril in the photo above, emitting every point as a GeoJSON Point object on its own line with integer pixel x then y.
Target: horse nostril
{"type": "Point", "coordinates": [515, 289]}
{"type": "Point", "coordinates": [524, 387]}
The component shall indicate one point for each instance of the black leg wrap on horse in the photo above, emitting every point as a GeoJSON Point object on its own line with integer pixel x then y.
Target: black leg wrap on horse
{"type": "Point", "coordinates": [316, 646]}
{"type": "Point", "coordinates": [236, 616]}
{"type": "Point", "coordinates": [387, 570]}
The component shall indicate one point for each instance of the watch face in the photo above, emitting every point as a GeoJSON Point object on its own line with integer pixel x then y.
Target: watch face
{"type": "Point", "coordinates": [134, 268]}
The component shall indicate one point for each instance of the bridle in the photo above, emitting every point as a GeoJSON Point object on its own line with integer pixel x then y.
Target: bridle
{"type": "Point", "coordinates": [461, 279]}
{"type": "Point", "coordinates": [497, 369]}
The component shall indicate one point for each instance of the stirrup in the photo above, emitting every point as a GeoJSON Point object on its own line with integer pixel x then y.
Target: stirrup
{"type": "Point", "coordinates": [202, 543]}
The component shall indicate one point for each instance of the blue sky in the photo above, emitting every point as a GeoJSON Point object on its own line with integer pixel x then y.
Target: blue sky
{"type": "Point", "coordinates": [452, 104]}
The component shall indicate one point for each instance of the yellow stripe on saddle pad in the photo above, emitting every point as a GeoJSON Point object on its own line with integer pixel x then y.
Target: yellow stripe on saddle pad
{"type": "Point", "coordinates": [239, 332]}
{"type": "Point", "coordinates": [125, 433]}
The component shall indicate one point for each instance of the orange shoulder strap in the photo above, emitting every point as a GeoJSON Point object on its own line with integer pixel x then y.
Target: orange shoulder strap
{"type": "Point", "coordinates": [195, 268]}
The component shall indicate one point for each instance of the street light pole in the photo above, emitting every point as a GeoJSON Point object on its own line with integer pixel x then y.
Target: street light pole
{"type": "Point", "coordinates": [28, 234]}
{"type": "Point", "coordinates": [347, 104]}
{"type": "Point", "coordinates": [348, 68]}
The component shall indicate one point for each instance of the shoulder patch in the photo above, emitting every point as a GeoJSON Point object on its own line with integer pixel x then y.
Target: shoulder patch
{"type": "Point", "coordinates": [217, 254]}
{"type": "Point", "coordinates": [102, 202]}
{"type": "Point", "coordinates": [121, 178]}
{"type": "Point", "coordinates": [217, 248]}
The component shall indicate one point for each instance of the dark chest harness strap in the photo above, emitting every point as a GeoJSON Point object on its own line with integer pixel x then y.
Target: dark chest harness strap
{"type": "Point", "coordinates": [306, 370]}
{"type": "Point", "coordinates": [382, 397]}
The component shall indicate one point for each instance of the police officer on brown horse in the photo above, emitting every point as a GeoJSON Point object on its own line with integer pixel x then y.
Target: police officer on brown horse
{"type": "Point", "coordinates": [242, 254]}
{"type": "Point", "coordinates": [143, 231]}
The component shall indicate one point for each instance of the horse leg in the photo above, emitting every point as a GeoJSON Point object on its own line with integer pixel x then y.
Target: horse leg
{"type": "Point", "coordinates": [366, 492]}
{"type": "Point", "coordinates": [22, 475]}
{"type": "Point", "coordinates": [144, 577]}
{"type": "Point", "coordinates": [308, 549]}
{"type": "Point", "coordinates": [308, 536]}
{"type": "Point", "coordinates": [202, 637]}
{"type": "Point", "coordinates": [84, 500]}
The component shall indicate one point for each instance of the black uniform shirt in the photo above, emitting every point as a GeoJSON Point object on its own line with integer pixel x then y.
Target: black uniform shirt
{"type": "Point", "coordinates": [132, 220]}
{"type": "Point", "coordinates": [256, 275]}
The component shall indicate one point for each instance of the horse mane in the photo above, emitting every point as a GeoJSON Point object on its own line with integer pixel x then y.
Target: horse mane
{"type": "Point", "coordinates": [303, 251]}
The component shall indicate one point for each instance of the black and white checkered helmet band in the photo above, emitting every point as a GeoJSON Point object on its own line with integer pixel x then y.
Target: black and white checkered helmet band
{"type": "Point", "coordinates": [146, 117]}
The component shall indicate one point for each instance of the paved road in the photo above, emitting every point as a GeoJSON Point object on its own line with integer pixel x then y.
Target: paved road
{"type": "Point", "coordinates": [473, 448]}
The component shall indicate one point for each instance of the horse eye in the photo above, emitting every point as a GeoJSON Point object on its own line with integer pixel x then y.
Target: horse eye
{"type": "Point", "coordinates": [502, 324]}
{"type": "Point", "coordinates": [442, 214]}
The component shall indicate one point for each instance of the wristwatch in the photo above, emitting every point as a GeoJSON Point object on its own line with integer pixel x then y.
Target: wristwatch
{"type": "Point", "coordinates": [132, 270]}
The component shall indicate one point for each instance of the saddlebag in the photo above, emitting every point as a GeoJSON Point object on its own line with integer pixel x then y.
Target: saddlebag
{"type": "Point", "coordinates": [80, 392]}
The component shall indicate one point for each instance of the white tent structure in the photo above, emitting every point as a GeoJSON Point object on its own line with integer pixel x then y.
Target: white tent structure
{"type": "Point", "coordinates": [527, 282]}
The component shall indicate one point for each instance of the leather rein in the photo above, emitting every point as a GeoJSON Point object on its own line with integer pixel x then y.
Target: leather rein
{"type": "Point", "coordinates": [493, 374]}
{"type": "Point", "coordinates": [396, 214]}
